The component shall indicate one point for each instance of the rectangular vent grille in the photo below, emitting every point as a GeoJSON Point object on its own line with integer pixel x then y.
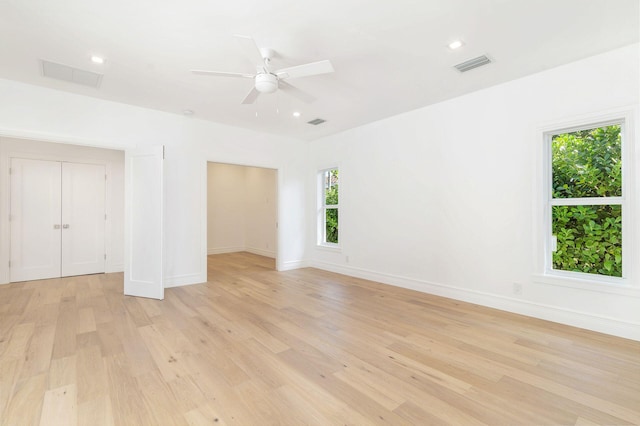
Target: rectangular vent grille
{"type": "Point", "coordinates": [316, 121]}
{"type": "Point", "coordinates": [70, 74]}
{"type": "Point", "coordinates": [473, 63]}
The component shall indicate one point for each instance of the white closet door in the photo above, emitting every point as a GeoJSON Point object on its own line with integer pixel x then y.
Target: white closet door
{"type": "Point", "coordinates": [143, 265]}
{"type": "Point", "coordinates": [35, 219]}
{"type": "Point", "coordinates": [83, 219]}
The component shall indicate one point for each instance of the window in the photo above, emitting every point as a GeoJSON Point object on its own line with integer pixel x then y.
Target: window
{"type": "Point", "coordinates": [329, 218]}
{"type": "Point", "coordinates": [585, 200]}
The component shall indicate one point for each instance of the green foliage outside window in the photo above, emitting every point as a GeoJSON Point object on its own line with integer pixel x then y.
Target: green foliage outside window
{"type": "Point", "coordinates": [331, 198]}
{"type": "Point", "coordinates": [588, 163]}
{"type": "Point", "coordinates": [332, 226]}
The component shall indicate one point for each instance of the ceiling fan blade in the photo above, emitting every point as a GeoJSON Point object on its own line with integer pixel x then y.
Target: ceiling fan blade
{"type": "Point", "coordinates": [223, 74]}
{"type": "Point", "coordinates": [251, 96]}
{"type": "Point", "coordinates": [314, 68]}
{"type": "Point", "coordinates": [250, 48]}
{"type": "Point", "coordinates": [295, 92]}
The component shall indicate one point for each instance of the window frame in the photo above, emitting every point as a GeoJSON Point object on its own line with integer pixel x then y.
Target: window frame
{"type": "Point", "coordinates": [549, 202]}
{"type": "Point", "coordinates": [322, 208]}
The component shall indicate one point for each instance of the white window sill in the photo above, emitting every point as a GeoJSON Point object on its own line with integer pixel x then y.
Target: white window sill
{"type": "Point", "coordinates": [619, 286]}
{"type": "Point", "coordinates": [335, 248]}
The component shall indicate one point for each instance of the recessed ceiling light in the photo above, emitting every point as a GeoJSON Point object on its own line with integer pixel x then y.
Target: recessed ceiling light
{"type": "Point", "coordinates": [187, 112]}
{"type": "Point", "coordinates": [457, 44]}
{"type": "Point", "coordinates": [296, 114]}
{"type": "Point", "coordinates": [97, 60]}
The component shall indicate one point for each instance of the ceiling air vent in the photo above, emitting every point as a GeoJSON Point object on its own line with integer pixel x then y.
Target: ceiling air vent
{"type": "Point", "coordinates": [316, 121]}
{"type": "Point", "coordinates": [473, 63]}
{"type": "Point", "coordinates": [70, 74]}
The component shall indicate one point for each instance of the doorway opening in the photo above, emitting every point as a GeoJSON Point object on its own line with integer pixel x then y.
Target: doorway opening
{"type": "Point", "coordinates": [242, 217]}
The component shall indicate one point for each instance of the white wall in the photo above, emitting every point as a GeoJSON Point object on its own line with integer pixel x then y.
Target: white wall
{"type": "Point", "coordinates": [261, 217]}
{"type": "Point", "coordinates": [114, 165]}
{"type": "Point", "coordinates": [444, 199]}
{"type": "Point", "coordinates": [441, 199]}
{"type": "Point", "coordinates": [226, 208]}
{"type": "Point", "coordinates": [42, 114]}
{"type": "Point", "coordinates": [241, 209]}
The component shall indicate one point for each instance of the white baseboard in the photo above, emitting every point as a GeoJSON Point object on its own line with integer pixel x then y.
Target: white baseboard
{"type": "Point", "coordinates": [293, 264]}
{"type": "Point", "coordinates": [119, 267]}
{"type": "Point", "coordinates": [261, 252]}
{"type": "Point", "coordinates": [613, 326]}
{"type": "Point", "coordinates": [175, 281]}
{"type": "Point", "coordinates": [221, 250]}
{"type": "Point", "coordinates": [186, 279]}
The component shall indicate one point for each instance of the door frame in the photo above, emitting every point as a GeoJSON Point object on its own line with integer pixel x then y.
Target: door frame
{"type": "Point", "coordinates": [61, 249]}
{"type": "Point", "coordinates": [205, 212]}
{"type": "Point", "coordinates": [111, 265]}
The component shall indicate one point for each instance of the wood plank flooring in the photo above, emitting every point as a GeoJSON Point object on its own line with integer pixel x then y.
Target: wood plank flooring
{"type": "Point", "coordinates": [257, 347]}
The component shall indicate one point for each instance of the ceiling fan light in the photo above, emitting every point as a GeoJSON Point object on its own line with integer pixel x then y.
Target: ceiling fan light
{"type": "Point", "coordinates": [266, 83]}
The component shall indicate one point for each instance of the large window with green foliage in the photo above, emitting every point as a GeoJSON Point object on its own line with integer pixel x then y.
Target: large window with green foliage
{"type": "Point", "coordinates": [586, 200]}
{"type": "Point", "coordinates": [330, 206]}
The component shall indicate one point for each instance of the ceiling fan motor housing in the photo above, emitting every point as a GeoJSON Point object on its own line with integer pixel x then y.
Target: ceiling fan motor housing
{"type": "Point", "coordinates": [266, 83]}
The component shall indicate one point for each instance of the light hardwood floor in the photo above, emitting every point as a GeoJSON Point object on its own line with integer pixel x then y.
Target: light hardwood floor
{"type": "Point", "coordinates": [257, 347]}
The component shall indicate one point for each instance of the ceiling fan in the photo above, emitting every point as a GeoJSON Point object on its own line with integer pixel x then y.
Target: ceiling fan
{"type": "Point", "coordinates": [268, 81]}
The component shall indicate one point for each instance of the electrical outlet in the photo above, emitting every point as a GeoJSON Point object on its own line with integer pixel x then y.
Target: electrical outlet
{"type": "Point", "coordinates": [517, 288]}
{"type": "Point", "coordinates": [346, 259]}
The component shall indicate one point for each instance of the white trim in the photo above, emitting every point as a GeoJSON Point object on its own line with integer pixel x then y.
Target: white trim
{"type": "Point", "coordinates": [589, 284]}
{"type": "Point", "coordinates": [321, 237]}
{"type": "Point", "coordinates": [114, 268]}
{"type": "Point", "coordinates": [278, 207]}
{"type": "Point", "coordinates": [62, 139]}
{"type": "Point", "coordinates": [587, 124]}
{"type": "Point", "coordinates": [222, 250]}
{"type": "Point", "coordinates": [608, 325]}
{"type": "Point", "coordinates": [542, 229]}
{"type": "Point", "coordinates": [554, 275]}
{"type": "Point", "coordinates": [261, 252]}
{"type": "Point", "coordinates": [588, 201]}
{"type": "Point", "coordinates": [280, 234]}
{"type": "Point", "coordinates": [331, 247]}
{"type": "Point", "coordinates": [580, 121]}
{"type": "Point", "coordinates": [258, 251]}
{"type": "Point", "coordinates": [293, 264]}
{"type": "Point", "coordinates": [7, 153]}
{"type": "Point", "coordinates": [203, 265]}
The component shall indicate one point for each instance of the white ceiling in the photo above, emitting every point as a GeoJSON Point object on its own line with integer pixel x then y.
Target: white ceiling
{"type": "Point", "coordinates": [389, 56]}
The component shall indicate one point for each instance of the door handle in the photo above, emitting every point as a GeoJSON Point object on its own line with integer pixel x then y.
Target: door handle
{"type": "Point", "coordinates": [56, 226]}
{"type": "Point", "coordinates": [65, 226]}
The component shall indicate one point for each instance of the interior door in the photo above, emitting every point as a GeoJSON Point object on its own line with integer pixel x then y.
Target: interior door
{"type": "Point", "coordinates": [35, 219]}
{"type": "Point", "coordinates": [83, 219]}
{"type": "Point", "coordinates": [143, 268]}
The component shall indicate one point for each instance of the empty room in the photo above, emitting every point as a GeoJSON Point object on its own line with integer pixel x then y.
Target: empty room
{"type": "Point", "coordinates": [347, 212]}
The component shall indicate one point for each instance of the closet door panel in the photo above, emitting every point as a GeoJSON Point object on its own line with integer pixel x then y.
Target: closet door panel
{"type": "Point", "coordinates": [35, 219]}
{"type": "Point", "coordinates": [144, 203]}
{"type": "Point", "coordinates": [83, 219]}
